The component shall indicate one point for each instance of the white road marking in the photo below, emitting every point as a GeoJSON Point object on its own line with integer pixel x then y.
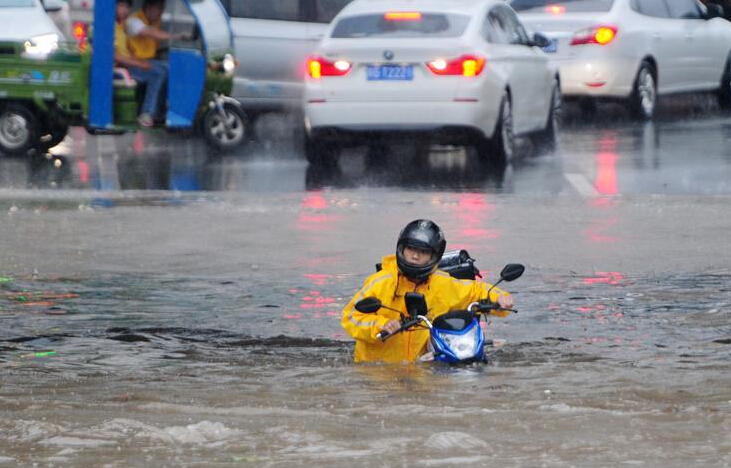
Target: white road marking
{"type": "Point", "coordinates": [582, 185]}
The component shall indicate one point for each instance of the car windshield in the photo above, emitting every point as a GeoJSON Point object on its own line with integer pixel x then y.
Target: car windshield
{"type": "Point", "coordinates": [565, 6]}
{"type": "Point", "coordinates": [401, 24]}
{"type": "Point", "coordinates": [16, 3]}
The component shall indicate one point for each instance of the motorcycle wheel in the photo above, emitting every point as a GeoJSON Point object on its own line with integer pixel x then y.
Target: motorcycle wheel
{"type": "Point", "coordinates": [225, 132]}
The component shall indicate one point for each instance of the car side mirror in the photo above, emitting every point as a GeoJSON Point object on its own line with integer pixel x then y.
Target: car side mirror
{"type": "Point", "coordinates": [512, 271]}
{"type": "Point", "coordinates": [52, 5]}
{"type": "Point", "coordinates": [368, 305]}
{"type": "Point", "coordinates": [713, 11]}
{"type": "Point", "coordinates": [540, 40]}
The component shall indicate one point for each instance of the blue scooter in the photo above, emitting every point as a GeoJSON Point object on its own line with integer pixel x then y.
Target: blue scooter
{"type": "Point", "coordinates": [455, 337]}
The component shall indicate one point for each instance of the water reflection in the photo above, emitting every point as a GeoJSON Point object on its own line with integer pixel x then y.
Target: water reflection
{"type": "Point", "coordinates": [673, 154]}
{"type": "Point", "coordinates": [48, 171]}
{"type": "Point", "coordinates": [648, 143]}
{"type": "Point", "coordinates": [452, 168]}
{"type": "Point", "coordinates": [188, 167]}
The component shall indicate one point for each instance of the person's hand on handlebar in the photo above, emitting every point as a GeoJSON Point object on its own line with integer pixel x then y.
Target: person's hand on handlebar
{"type": "Point", "coordinates": [505, 301]}
{"type": "Point", "coordinates": [392, 327]}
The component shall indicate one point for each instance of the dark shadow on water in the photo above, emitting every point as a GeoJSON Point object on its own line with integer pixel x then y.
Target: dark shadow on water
{"type": "Point", "coordinates": [209, 345]}
{"type": "Point", "coordinates": [441, 168]}
{"type": "Point", "coordinates": [580, 114]}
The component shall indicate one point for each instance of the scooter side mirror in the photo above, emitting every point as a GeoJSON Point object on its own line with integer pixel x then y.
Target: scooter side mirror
{"type": "Point", "coordinates": [512, 271]}
{"type": "Point", "coordinates": [416, 304]}
{"type": "Point", "coordinates": [368, 305]}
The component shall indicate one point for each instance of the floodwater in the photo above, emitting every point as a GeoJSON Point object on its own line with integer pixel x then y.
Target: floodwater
{"type": "Point", "coordinates": [190, 329]}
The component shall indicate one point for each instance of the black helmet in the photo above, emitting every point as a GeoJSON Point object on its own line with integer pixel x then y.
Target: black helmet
{"type": "Point", "coordinates": [420, 234]}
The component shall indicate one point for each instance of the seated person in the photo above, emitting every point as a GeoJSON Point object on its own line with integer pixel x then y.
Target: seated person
{"type": "Point", "coordinates": [144, 33]}
{"type": "Point", "coordinates": [151, 72]}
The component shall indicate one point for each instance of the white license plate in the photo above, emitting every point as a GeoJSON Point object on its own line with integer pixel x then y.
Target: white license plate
{"type": "Point", "coordinates": [390, 72]}
{"type": "Point", "coordinates": [551, 48]}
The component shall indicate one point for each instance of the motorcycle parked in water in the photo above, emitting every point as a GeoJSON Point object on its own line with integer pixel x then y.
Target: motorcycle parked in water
{"type": "Point", "coordinates": [455, 337]}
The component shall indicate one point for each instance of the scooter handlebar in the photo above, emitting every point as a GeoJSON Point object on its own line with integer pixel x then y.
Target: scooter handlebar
{"type": "Point", "coordinates": [486, 306]}
{"type": "Point", "coordinates": [384, 335]}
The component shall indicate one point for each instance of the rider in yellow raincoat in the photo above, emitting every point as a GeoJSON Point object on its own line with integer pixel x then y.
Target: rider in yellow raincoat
{"type": "Point", "coordinates": [413, 268]}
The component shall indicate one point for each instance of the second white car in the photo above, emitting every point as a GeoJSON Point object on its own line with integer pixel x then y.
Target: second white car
{"type": "Point", "coordinates": [634, 50]}
{"type": "Point", "coordinates": [461, 73]}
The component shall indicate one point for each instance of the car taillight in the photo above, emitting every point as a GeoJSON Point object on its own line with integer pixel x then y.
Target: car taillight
{"type": "Point", "coordinates": [402, 16]}
{"type": "Point", "coordinates": [318, 67]}
{"type": "Point", "coordinates": [80, 31]}
{"type": "Point", "coordinates": [466, 65]}
{"type": "Point", "coordinates": [601, 35]}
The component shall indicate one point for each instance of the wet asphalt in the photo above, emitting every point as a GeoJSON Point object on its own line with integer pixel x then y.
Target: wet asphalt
{"type": "Point", "coordinates": [685, 150]}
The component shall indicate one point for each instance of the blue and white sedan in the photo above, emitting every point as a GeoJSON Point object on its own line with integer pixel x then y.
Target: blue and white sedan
{"type": "Point", "coordinates": [446, 72]}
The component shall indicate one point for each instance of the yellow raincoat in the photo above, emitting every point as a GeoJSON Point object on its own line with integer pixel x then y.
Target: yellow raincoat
{"type": "Point", "coordinates": [442, 293]}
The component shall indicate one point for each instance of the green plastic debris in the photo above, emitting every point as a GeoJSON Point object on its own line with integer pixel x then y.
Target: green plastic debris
{"type": "Point", "coordinates": [40, 354]}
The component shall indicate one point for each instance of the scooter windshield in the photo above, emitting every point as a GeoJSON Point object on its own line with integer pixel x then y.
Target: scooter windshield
{"type": "Point", "coordinates": [454, 321]}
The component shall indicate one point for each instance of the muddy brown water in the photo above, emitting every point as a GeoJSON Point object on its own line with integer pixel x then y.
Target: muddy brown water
{"type": "Point", "coordinates": [159, 329]}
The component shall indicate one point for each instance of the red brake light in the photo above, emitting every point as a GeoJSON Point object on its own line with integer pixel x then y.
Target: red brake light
{"type": "Point", "coordinates": [555, 9]}
{"type": "Point", "coordinates": [402, 16]}
{"type": "Point", "coordinates": [466, 65]}
{"type": "Point", "coordinates": [318, 67]}
{"type": "Point", "coordinates": [601, 35]}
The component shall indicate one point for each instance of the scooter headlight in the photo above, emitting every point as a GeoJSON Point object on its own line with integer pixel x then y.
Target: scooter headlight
{"type": "Point", "coordinates": [463, 346]}
{"type": "Point", "coordinates": [229, 63]}
{"type": "Point", "coordinates": [39, 47]}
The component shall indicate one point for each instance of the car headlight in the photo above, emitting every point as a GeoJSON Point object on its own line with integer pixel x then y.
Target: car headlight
{"type": "Point", "coordinates": [229, 63]}
{"type": "Point", "coordinates": [39, 47]}
{"type": "Point", "coordinates": [463, 346]}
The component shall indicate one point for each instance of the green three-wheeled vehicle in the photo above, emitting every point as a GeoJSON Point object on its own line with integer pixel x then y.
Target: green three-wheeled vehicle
{"type": "Point", "coordinates": [44, 90]}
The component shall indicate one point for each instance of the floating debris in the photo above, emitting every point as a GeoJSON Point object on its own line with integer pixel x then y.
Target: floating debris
{"type": "Point", "coordinates": [39, 354]}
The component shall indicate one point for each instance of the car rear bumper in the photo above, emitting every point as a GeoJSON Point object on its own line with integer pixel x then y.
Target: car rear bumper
{"type": "Point", "coordinates": [597, 77]}
{"type": "Point", "coordinates": [443, 120]}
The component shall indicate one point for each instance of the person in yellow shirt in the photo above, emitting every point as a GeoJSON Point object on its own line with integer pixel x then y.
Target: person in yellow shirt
{"type": "Point", "coordinates": [151, 72]}
{"type": "Point", "coordinates": [414, 268]}
{"type": "Point", "coordinates": [143, 30]}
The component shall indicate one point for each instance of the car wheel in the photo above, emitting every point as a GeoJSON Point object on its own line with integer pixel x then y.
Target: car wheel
{"type": "Point", "coordinates": [225, 131]}
{"type": "Point", "coordinates": [18, 129]}
{"type": "Point", "coordinates": [724, 92]}
{"type": "Point", "coordinates": [319, 153]}
{"type": "Point", "coordinates": [500, 148]}
{"type": "Point", "coordinates": [643, 99]}
{"type": "Point", "coordinates": [545, 141]}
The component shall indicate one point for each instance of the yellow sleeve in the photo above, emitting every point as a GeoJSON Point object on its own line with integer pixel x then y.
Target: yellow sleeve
{"type": "Point", "coordinates": [362, 326]}
{"type": "Point", "coordinates": [480, 292]}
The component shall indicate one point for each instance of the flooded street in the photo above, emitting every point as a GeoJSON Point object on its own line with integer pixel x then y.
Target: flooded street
{"type": "Point", "coordinates": [162, 306]}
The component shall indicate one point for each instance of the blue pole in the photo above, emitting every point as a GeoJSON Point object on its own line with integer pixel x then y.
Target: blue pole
{"type": "Point", "coordinates": [102, 63]}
